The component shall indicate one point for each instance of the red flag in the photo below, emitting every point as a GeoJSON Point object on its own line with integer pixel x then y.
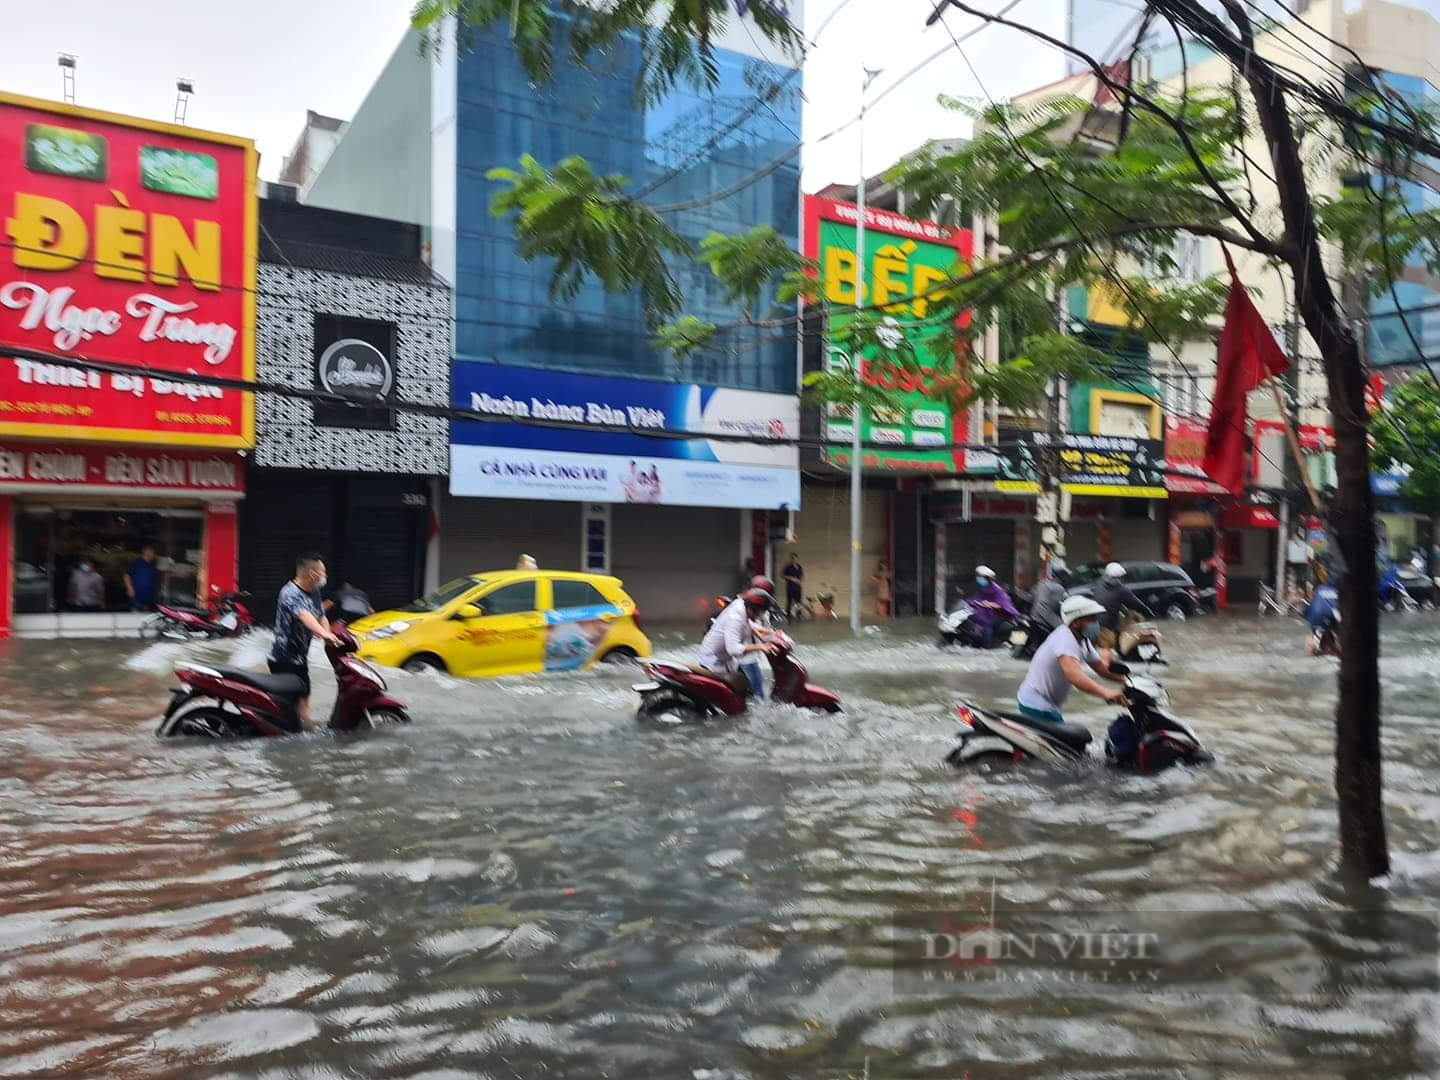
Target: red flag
{"type": "Point", "coordinates": [1247, 356]}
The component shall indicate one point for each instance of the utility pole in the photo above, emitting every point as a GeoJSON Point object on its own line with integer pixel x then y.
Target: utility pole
{"type": "Point", "coordinates": [857, 365]}
{"type": "Point", "coordinates": [1047, 459]}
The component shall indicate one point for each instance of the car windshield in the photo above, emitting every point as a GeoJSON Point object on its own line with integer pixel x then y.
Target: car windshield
{"type": "Point", "coordinates": [440, 597]}
{"type": "Point", "coordinates": [1084, 575]}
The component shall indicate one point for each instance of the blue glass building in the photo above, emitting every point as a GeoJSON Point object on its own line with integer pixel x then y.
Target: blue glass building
{"type": "Point", "coordinates": [685, 149]}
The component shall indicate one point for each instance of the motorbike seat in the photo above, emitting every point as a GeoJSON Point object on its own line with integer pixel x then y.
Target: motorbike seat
{"type": "Point", "coordinates": [1072, 735]}
{"type": "Point", "coordinates": [287, 687]}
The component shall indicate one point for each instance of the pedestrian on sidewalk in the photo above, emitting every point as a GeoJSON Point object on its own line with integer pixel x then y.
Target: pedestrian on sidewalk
{"type": "Point", "coordinates": [794, 575]}
{"type": "Point", "coordinates": [881, 578]}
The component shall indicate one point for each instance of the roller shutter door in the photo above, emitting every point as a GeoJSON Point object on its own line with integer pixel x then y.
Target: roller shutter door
{"type": "Point", "coordinates": [675, 559]}
{"type": "Point", "coordinates": [823, 542]}
{"type": "Point", "coordinates": [982, 542]}
{"type": "Point", "coordinates": [281, 516]}
{"type": "Point", "coordinates": [491, 534]}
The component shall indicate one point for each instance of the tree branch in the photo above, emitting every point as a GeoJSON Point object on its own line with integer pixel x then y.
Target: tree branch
{"type": "Point", "coordinates": [1260, 242]}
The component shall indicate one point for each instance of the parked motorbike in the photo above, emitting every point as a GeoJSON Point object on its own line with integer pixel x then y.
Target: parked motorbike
{"type": "Point", "coordinates": [216, 702]}
{"type": "Point", "coordinates": [679, 692]}
{"type": "Point", "coordinates": [959, 628]}
{"type": "Point", "coordinates": [224, 615]}
{"type": "Point", "coordinates": [1143, 737]}
{"type": "Point", "coordinates": [777, 613]}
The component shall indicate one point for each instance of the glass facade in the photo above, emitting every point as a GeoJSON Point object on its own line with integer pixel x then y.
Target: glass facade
{"type": "Point", "coordinates": [1417, 293]}
{"type": "Point", "coordinates": [683, 148]}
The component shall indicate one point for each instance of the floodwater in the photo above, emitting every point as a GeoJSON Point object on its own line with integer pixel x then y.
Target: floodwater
{"type": "Point", "coordinates": [525, 883]}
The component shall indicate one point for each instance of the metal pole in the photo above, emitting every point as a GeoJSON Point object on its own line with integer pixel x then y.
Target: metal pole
{"type": "Point", "coordinates": [857, 364]}
{"type": "Point", "coordinates": [1281, 553]}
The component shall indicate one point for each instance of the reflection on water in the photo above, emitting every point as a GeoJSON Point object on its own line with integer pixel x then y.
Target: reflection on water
{"type": "Point", "coordinates": [527, 883]}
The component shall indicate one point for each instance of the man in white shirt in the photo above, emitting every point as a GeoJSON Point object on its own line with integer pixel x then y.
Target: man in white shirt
{"type": "Point", "coordinates": [732, 636]}
{"type": "Point", "coordinates": [1057, 663]}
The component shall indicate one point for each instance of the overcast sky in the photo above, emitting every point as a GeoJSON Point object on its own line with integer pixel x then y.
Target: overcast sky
{"type": "Point", "coordinates": [258, 65]}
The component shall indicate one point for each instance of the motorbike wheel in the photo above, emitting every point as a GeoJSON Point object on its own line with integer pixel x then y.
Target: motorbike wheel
{"type": "Point", "coordinates": [668, 710]}
{"type": "Point", "coordinates": [205, 722]}
{"type": "Point", "coordinates": [153, 629]}
{"type": "Point", "coordinates": [379, 719]}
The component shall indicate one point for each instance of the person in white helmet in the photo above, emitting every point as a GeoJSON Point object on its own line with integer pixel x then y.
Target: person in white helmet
{"type": "Point", "coordinates": [995, 612]}
{"type": "Point", "coordinates": [1114, 596]}
{"type": "Point", "coordinates": [1061, 661]}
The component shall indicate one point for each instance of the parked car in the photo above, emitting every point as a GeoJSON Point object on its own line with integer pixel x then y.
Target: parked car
{"type": "Point", "coordinates": [1164, 587]}
{"type": "Point", "coordinates": [508, 622]}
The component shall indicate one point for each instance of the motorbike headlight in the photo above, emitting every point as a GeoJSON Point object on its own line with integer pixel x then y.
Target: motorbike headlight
{"type": "Point", "coordinates": [389, 630]}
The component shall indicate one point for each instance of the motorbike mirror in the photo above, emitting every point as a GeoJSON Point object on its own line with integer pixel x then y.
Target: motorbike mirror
{"type": "Point", "coordinates": [469, 611]}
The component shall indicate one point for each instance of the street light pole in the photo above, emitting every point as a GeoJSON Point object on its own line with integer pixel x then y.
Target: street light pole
{"type": "Point", "coordinates": [857, 365]}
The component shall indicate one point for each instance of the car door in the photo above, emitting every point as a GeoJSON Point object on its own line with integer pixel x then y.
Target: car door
{"type": "Point", "coordinates": [579, 621]}
{"type": "Point", "coordinates": [508, 636]}
{"type": "Point", "coordinates": [1148, 584]}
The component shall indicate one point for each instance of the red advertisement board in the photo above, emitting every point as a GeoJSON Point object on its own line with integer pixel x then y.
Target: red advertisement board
{"type": "Point", "coordinates": [1185, 454]}
{"type": "Point", "coordinates": [34, 466]}
{"type": "Point", "coordinates": [131, 242]}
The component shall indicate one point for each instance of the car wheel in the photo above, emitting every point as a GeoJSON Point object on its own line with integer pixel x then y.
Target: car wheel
{"type": "Point", "coordinates": [418, 665]}
{"type": "Point", "coordinates": [621, 654]}
{"type": "Point", "coordinates": [1177, 611]}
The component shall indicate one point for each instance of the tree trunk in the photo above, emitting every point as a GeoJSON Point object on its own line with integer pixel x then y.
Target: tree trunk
{"type": "Point", "coordinates": [1363, 850]}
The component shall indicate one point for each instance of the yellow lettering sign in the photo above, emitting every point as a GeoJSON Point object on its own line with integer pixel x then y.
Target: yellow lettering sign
{"type": "Point", "coordinates": [48, 234]}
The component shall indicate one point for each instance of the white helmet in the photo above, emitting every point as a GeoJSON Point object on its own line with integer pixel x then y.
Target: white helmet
{"type": "Point", "coordinates": [1077, 607]}
{"type": "Point", "coordinates": [1115, 570]}
{"type": "Point", "coordinates": [984, 571]}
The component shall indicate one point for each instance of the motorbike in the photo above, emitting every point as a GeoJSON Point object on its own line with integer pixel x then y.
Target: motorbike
{"type": "Point", "coordinates": [1035, 634]}
{"type": "Point", "coordinates": [224, 615]}
{"type": "Point", "coordinates": [1398, 587]}
{"type": "Point", "coordinates": [216, 702]}
{"type": "Point", "coordinates": [959, 628]}
{"type": "Point", "coordinates": [1325, 641]}
{"type": "Point", "coordinates": [1143, 737]}
{"type": "Point", "coordinates": [1140, 641]}
{"type": "Point", "coordinates": [679, 692]}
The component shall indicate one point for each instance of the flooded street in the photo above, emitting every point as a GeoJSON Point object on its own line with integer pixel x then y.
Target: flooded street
{"type": "Point", "coordinates": [526, 883]}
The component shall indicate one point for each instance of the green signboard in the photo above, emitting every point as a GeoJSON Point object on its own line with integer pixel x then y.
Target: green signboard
{"type": "Point", "coordinates": [903, 258]}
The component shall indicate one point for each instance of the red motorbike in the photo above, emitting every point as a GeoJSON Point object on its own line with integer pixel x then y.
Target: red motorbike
{"type": "Point", "coordinates": [224, 615]}
{"type": "Point", "coordinates": [679, 692]}
{"type": "Point", "coordinates": [217, 702]}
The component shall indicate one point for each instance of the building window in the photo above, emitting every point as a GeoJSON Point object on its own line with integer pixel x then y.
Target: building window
{"type": "Point", "coordinates": [595, 538]}
{"type": "Point", "coordinates": [1180, 392]}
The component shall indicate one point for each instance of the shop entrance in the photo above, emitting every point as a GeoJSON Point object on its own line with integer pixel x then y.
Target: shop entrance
{"type": "Point", "coordinates": [51, 543]}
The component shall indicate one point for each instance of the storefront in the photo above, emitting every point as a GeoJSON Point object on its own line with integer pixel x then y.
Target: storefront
{"type": "Point", "coordinates": [348, 307]}
{"type": "Point", "coordinates": [73, 506]}
{"type": "Point", "coordinates": [615, 490]}
{"type": "Point", "coordinates": [135, 245]}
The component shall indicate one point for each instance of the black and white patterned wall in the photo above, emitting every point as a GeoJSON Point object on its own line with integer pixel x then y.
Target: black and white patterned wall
{"type": "Point", "coordinates": [285, 433]}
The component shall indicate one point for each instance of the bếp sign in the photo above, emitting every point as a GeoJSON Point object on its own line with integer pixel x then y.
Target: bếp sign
{"type": "Point", "coordinates": [903, 258]}
{"type": "Point", "coordinates": [569, 463]}
{"type": "Point", "coordinates": [130, 242]}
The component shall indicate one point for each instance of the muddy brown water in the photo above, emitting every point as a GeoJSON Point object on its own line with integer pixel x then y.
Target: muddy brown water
{"type": "Point", "coordinates": [527, 884]}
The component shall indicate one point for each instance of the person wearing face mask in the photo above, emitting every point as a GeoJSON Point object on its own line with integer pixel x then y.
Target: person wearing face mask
{"type": "Point", "coordinates": [87, 588]}
{"type": "Point", "coordinates": [1058, 664]}
{"type": "Point", "coordinates": [299, 616]}
{"type": "Point", "coordinates": [995, 613]}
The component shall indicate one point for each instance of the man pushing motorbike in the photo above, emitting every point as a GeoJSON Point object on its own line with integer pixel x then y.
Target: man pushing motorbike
{"type": "Point", "coordinates": [732, 636]}
{"type": "Point", "coordinates": [1057, 664]}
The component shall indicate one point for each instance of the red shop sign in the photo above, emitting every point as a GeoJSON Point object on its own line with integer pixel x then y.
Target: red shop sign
{"type": "Point", "coordinates": [131, 242]}
{"type": "Point", "coordinates": [105, 469]}
{"type": "Point", "coordinates": [1249, 517]}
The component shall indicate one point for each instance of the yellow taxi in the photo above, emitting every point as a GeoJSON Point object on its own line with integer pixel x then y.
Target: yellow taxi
{"type": "Point", "coordinates": [508, 622]}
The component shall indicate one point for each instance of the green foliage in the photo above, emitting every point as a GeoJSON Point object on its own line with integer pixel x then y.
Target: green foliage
{"type": "Point", "coordinates": [748, 264]}
{"type": "Point", "coordinates": [1407, 433]}
{"type": "Point", "coordinates": [576, 218]}
{"type": "Point", "coordinates": [676, 47]}
{"type": "Point", "coordinates": [684, 335]}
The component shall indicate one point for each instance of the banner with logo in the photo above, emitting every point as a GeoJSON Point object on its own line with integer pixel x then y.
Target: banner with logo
{"type": "Point", "coordinates": [1087, 465]}
{"type": "Point", "coordinates": [131, 242]}
{"type": "Point", "coordinates": [903, 258]}
{"type": "Point", "coordinates": [647, 463]}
